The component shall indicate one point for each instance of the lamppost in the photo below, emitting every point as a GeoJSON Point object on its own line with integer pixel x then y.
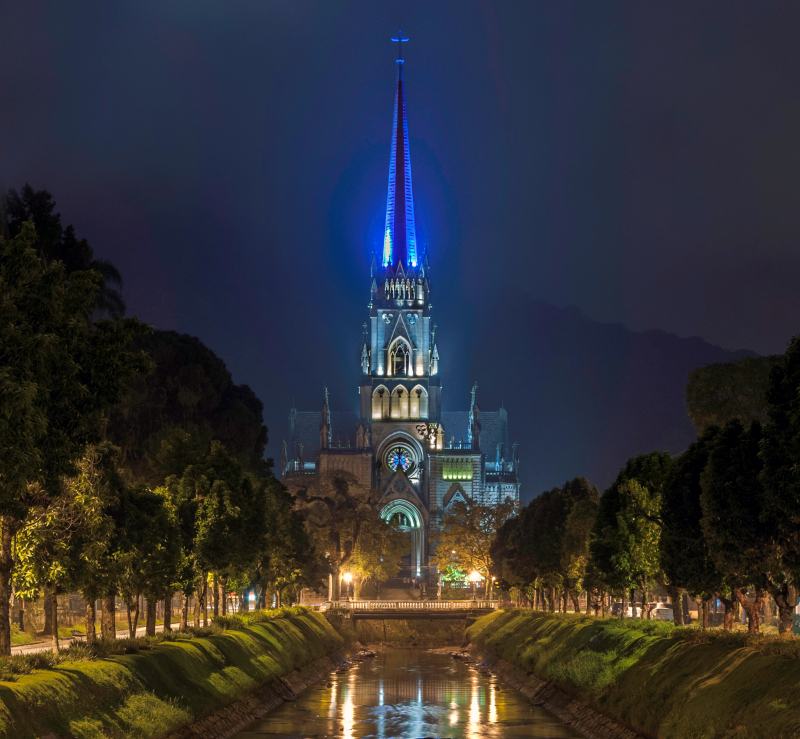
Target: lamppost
{"type": "Point", "coordinates": [347, 577]}
{"type": "Point", "coordinates": [475, 577]}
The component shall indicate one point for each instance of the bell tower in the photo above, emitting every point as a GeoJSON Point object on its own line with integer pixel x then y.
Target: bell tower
{"type": "Point", "coordinates": [399, 386]}
{"type": "Point", "coordinates": [420, 459]}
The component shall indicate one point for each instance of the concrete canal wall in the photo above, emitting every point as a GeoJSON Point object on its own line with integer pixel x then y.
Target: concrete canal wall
{"type": "Point", "coordinates": [612, 678]}
{"type": "Point", "coordinates": [418, 631]}
{"type": "Point", "coordinates": [186, 686]}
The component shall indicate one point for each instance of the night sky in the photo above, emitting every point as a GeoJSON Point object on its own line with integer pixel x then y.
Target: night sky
{"type": "Point", "coordinates": [636, 161]}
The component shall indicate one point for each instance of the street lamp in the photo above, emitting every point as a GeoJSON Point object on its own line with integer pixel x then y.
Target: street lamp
{"type": "Point", "coordinates": [475, 577]}
{"type": "Point", "coordinates": [348, 578]}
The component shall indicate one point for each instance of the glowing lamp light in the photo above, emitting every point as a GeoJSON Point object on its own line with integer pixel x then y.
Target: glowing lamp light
{"type": "Point", "coordinates": [347, 577]}
{"type": "Point", "coordinates": [475, 577]}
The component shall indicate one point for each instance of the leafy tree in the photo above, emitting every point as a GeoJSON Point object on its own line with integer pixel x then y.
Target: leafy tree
{"type": "Point", "coordinates": [53, 242]}
{"type": "Point", "coordinates": [169, 416]}
{"type": "Point", "coordinates": [636, 560]}
{"type": "Point", "coordinates": [43, 555]}
{"type": "Point", "coordinates": [377, 554]}
{"type": "Point", "coordinates": [221, 514]}
{"type": "Point", "coordinates": [469, 531]}
{"type": "Point", "coordinates": [780, 481]}
{"type": "Point", "coordinates": [95, 491]}
{"type": "Point", "coordinates": [148, 554]}
{"type": "Point", "coordinates": [719, 393]}
{"type": "Point", "coordinates": [540, 550]}
{"type": "Point", "coordinates": [288, 559]}
{"type": "Point", "coordinates": [581, 511]}
{"type": "Point", "coordinates": [685, 556]}
{"type": "Point", "coordinates": [731, 500]}
{"type": "Point", "coordinates": [336, 509]}
{"type": "Point", "coordinates": [59, 373]}
{"type": "Point", "coordinates": [611, 550]}
{"type": "Point", "coordinates": [505, 553]}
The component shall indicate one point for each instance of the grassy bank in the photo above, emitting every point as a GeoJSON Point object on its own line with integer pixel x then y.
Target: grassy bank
{"type": "Point", "coordinates": [659, 680]}
{"type": "Point", "coordinates": [160, 684]}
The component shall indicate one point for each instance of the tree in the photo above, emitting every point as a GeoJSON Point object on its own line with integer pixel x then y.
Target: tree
{"type": "Point", "coordinates": [719, 393]}
{"type": "Point", "coordinates": [43, 555]}
{"type": "Point", "coordinates": [685, 556]}
{"type": "Point", "coordinates": [505, 553]}
{"type": "Point", "coordinates": [55, 243]}
{"type": "Point", "coordinates": [170, 415]}
{"type": "Point", "coordinates": [731, 502]}
{"type": "Point", "coordinates": [336, 510]}
{"type": "Point", "coordinates": [540, 550]}
{"type": "Point", "coordinates": [221, 514]}
{"type": "Point", "coordinates": [288, 559]}
{"type": "Point", "coordinates": [468, 531]}
{"type": "Point", "coordinates": [780, 482]}
{"type": "Point", "coordinates": [148, 554]}
{"type": "Point", "coordinates": [377, 553]}
{"type": "Point", "coordinates": [581, 512]}
{"type": "Point", "coordinates": [636, 559]}
{"type": "Point", "coordinates": [95, 491]}
{"type": "Point", "coordinates": [59, 372]}
{"type": "Point", "coordinates": [615, 563]}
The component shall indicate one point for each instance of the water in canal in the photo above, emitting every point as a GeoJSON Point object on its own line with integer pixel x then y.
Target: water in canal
{"type": "Point", "coordinates": [409, 693]}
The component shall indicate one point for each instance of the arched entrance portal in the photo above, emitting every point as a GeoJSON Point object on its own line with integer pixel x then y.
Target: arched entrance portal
{"type": "Point", "coordinates": [405, 516]}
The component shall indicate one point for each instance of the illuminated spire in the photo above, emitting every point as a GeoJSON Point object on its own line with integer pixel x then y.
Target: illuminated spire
{"type": "Point", "coordinates": [400, 233]}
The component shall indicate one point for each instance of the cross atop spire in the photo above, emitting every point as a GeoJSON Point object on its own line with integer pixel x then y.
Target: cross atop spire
{"type": "Point", "coordinates": [400, 232]}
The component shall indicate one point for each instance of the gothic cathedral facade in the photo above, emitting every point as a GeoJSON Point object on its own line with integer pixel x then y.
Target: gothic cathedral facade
{"type": "Point", "coordinates": [420, 458]}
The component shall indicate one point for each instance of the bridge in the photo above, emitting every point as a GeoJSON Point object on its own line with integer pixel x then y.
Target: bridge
{"type": "Point", "coordinates": [357, 609]}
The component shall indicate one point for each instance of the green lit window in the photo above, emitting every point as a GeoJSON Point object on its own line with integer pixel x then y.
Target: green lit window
{"type": "Point", "coordinates": [457, 469]}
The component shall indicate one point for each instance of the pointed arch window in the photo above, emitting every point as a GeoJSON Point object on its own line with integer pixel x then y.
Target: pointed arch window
{"type": "Point", "coordinates": [400, 359]}
{"type": "Point", "coordinates": [380, 403]}
{"type": "Point", "coordinates": [399, 402]}
{"type": "Point", "coordinates": [418, 402]}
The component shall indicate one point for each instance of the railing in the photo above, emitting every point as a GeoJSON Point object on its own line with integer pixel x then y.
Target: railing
{"type": "Point", "coordinates": [410, 605]}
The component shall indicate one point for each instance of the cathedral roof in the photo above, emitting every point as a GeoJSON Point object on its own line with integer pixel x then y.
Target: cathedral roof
{"type": "Point", "coordinates": [304, 429]}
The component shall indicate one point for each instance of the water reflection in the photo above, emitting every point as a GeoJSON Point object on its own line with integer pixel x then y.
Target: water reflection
{"type": "Point", "coordinates": [409, 693]}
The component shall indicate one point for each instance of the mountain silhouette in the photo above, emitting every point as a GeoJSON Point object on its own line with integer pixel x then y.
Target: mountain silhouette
{"type": "Point", "coordinates": [582, 396]}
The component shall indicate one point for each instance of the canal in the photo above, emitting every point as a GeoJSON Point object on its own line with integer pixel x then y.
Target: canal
{"type": "Point", "coordinates": [409, 693]}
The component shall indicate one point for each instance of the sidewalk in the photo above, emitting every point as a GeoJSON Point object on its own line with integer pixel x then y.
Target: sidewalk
{"type": "Point", "coordinates": [45, 645]}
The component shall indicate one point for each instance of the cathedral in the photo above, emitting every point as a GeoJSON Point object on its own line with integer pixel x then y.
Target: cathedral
{"type": "Point", "coordinates": [398, 439]}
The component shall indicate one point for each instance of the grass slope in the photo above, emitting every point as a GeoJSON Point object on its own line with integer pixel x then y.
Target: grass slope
{"type": "Point", "coordinates": [158, 689]}
{"type": "Point", "coordinates": [660, 680]}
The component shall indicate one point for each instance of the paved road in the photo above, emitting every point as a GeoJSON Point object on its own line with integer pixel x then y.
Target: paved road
{"type": "Point", "coordinates": [46, 645]}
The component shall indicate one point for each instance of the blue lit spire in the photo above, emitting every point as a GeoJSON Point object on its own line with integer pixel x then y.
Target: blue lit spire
{"type": "Point", "coordinates": [400, 232]}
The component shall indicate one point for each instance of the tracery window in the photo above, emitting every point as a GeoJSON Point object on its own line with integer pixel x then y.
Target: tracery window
{"type": "Point", "coordinates": [400, 359]}
{"type": "Point", "coordinates": [400, 457]}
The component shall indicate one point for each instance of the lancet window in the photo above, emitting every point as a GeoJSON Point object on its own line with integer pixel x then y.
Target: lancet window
{"type": "Point", "coordinates": [400, 359]}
